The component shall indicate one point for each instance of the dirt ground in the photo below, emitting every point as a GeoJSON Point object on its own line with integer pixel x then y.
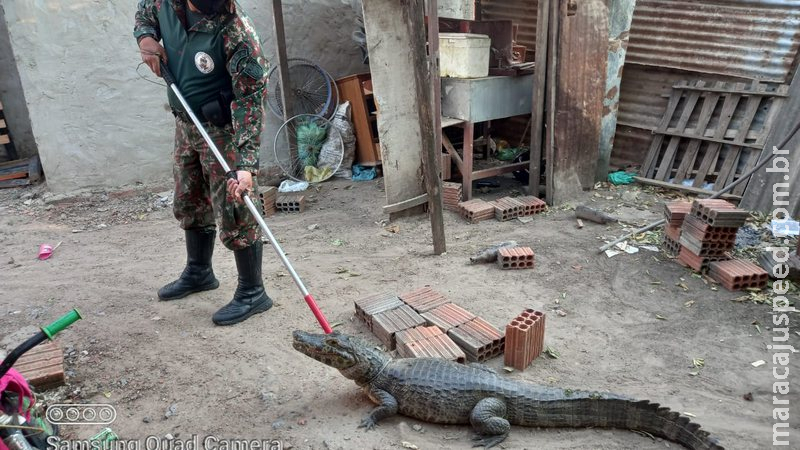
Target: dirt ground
{"type": "Point", "coordinates": [631, 324]}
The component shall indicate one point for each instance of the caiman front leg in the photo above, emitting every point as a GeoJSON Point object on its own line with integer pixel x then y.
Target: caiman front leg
{"type": "Point", "coordinates": [387, 407]}
{"type": "Point", "coordinates": [488, 420]}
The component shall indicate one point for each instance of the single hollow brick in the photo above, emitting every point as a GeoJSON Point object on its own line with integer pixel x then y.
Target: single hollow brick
{"type": "Point", "coordinates": [291, 203]}
{"type": "Point", "coordinates": [476, 210]}
{"type": "Point", "coordinates": [676, 212]}
{"type": "Point", "coordinates": [696, 262]}
{"type": "Point", "coordinates": [424, 299]}
{"type": "Point", "coordinates": [367, 307]}
{"type": "Point", "coordinates": [405, 337]}
{"type": "Point", "coordinates": [387, 323]}
{"type": "Point", "coordinates": [440, 346]}
{"type": "Point", "coordinates": [478, 339]}
{"type": "Point", "coordinates": [673, 232]}
{"type": "Point", "coordinates": [524, 340]}
{"type": "Point", "coordinates": [268, 195]}
{"type": "Point", "coordinates": [451, 195]}
{"type": "Point", "coordinates": [448, 316]}
{"type": "Point", "coordinates": [507, 208]}
{"type": "Point", "coordinates": [531, 205]}
{"type": "Point", "coordinates": [515, 258]}
{"type": "Point", "coordinates": [42, 366]}
{"type": "Point", "coordinates": [669, 246]}
{"type": "Point", "coordinates": [738, 274]}
{"type": "Point", "coordinates": [701, 248]}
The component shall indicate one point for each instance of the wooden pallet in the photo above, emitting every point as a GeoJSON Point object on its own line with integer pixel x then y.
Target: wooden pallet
{"type": "Point", "coordinates": [712, 133]}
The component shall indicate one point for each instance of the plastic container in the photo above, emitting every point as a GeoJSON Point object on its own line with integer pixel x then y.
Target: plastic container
{"type": "Point", "coordinates": [463, 55]}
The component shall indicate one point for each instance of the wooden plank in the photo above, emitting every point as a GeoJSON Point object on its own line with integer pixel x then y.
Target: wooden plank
{"type": "Point", "coordinates": [752, 158]}
{"type": "Point", "coordinates": [430, 115]}
{"type": "Point", "coordinates": [4, 139]}
{"type": "Point", "coordinates": [731, 162]}
{"type": "Point", "coordinates": [669, 154]}
{"type": "Point", "coordinates": [688, 160]}
{"type": "Point", "coordinates": [712, 139]}
{"type": "Point", "coordinates": [449, 122]}
{"type": "Point", "coordinates": [687, 163]}
{"type": "Point", "coordinates": [34, 168]}
{"type": "Point", "coordinates": [17, 163]}
{"type": "Point", "coordinates": [712, 152]}
{"type": "Point", "coordinates": [406, 204]}
{"type": "Point", "coordinates": [14, 175]}
{"type": "Point", "coordinates": [495, 171]}
{"type": "Point", "coordinates": [539, 93]}
{"type": "Point", "coordinates": [15, 183]}
{"type": "Point", "coordinates": [680, 187]}
{"type": "Point", "coordinates": [583, 43]}
{"type": "Point", "coordinates": [649, 164]}
{"type": "Point", "coordinates": [2, 123]}
{"type": "Point", "coordinates": [393, 71]}
{"type": "Point", "coordinates": [550, 96]}
{"type": "Point", "coordinates": [781, 91]}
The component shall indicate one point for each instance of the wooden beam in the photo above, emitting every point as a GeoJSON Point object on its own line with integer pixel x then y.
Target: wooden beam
{"type": "Point", "coordinates": [781, 91]}
{"type": "Point", "coordinates": [551, 68]}
{"type": "Point", "coordinates": [279, 37]}
{"type": "Point", "coordinates": [539, 93]}
{"type": "Point", "coordinates": [430, 115]}
{"type": "Point", "coordinates": [406, 204]}
{"type": "Point", "coordinates": [680, 187]}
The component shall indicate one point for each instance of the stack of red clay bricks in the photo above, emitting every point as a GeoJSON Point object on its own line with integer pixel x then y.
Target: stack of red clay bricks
{"type": "Point", "coordinates": [451, 195]}
{"type": "Point", "coordinates": [524, 339]}
{"type": "Point", "coordinates": [502, 209]}
{"type": "Point", "coordinates": [515, 258]}
{"type": "Point", "coordinates": [476, 210]}
{"type": "Point", "coordinates": [408, 323]}
{"type": "Point", "coordinates": [268, 195]}
{"type": "Point", "coordinates": [705, 231]}
{"type": "Point", "coordinates": [675, 213]}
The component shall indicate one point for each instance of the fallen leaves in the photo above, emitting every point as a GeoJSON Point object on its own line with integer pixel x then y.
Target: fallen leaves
{"type": "Point", "coordinates": [551, 352]}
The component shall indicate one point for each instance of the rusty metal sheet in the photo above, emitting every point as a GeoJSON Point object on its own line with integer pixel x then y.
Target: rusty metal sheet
{"type": "Point", "coordinates": [754, 39]}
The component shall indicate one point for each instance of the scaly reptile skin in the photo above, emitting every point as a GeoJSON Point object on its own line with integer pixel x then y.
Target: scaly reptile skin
{"type": "Point", "coordinates": [440, 391]}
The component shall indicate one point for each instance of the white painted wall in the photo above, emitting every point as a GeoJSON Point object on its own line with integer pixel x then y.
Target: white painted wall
{"type": "Point", "coordinates": [95, 121]}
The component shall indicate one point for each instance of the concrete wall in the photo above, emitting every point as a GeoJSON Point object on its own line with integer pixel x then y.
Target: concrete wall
{"type": "Point", "coordinates": [95, 121]}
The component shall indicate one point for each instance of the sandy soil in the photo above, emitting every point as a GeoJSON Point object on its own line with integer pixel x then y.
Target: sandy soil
{"type": "Point", "coordinates": [631, 324]}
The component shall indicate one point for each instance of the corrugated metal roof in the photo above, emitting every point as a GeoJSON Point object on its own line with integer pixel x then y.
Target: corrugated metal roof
{"type": "Point", "coordinates": [521, 12]}
{"type": "Point", "coordinates": [755, 39]}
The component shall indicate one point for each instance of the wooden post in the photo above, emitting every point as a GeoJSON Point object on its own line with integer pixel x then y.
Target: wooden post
{"type": "Point", "coordinates": [552, 63]}
{"type": "Point", "coordinates": [430, 116]}
{"type": "Point", "coordinates": [538, 119]}
{"type": "Point", "coordinates": [287, 97]}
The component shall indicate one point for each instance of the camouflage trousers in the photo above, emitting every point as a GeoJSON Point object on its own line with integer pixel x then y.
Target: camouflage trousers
{"type": "Point", "coordinates": [201, 194]}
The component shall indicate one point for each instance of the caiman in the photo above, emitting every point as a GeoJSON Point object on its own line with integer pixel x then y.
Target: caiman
{"type": "Point", "coordinates": [440, 391]}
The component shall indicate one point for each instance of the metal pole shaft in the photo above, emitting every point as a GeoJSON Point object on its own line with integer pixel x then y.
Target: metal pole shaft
{"type": "Point", "coordinates": [256, 214]}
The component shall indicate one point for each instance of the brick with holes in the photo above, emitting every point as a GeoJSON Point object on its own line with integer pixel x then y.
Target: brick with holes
{"type": "Point", "coordinates": [515, 258]}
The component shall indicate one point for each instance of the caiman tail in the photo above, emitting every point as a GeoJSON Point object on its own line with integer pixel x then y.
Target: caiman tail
{"type": "Point", "coordinates": [600, 410]}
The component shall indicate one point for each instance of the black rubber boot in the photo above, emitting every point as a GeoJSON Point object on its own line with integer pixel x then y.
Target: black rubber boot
{"type": "Point", "coordinates": [250, 297]}
{"type": "Point", "coordinates": [197, 275]}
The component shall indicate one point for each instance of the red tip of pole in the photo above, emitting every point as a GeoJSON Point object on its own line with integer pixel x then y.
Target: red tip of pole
{"type": "Point", "coordinates": [318, 314]}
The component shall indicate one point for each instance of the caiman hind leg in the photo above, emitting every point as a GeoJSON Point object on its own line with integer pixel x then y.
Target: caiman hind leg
{"type": "Point", "coordinates": [387, 407]}
{"type": "Point", "coordinates": [488, 420]}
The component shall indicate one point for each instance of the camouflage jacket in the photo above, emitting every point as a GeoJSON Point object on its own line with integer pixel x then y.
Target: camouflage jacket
{"type": "Point", "coordinates": [245, 63]}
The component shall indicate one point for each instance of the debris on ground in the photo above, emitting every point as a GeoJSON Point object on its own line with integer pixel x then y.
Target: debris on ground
{"type": "Point", "coordinates": [586, 213]}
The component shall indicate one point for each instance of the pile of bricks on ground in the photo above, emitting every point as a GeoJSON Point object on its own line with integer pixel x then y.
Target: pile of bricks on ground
{"type": "Point", "coordinates": [702, 235]}
{"type": "Point", "coordinates": [451, 195]}
{"type": "Point", "coordinates": [502, 209]}
{"type": "Point", "coordinates": [462, 335]}
{"type": "Point", "coordinates": [424, 323]}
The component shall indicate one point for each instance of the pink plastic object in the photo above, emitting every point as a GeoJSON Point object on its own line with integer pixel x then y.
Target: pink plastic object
{"type": "Point", "coordinates": [45, 251]}
{"type": "Point", "coordinates": [14, 382]}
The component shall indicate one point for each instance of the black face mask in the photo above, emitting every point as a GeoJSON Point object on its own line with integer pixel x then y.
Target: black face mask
{"type": "Point", "coordinates": [210, 7]}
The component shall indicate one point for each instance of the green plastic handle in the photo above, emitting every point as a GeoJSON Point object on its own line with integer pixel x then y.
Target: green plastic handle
{"type": "Point", "coordinates": [59, 325]}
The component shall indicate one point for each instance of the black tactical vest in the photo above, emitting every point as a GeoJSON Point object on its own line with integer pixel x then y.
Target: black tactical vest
{"type": "Point", "coordinates": [196, 59]}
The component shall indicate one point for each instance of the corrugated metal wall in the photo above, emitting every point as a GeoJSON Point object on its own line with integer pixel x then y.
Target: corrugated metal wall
{"type": "Point", "coordinates": [719, 40]}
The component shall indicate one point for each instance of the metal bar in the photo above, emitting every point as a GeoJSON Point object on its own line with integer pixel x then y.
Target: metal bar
{"type": "Point", "coordinates": [743, 92]}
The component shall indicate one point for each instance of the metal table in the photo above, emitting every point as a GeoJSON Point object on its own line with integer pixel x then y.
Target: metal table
{"type": "Point", "coordinates": [467, 101]}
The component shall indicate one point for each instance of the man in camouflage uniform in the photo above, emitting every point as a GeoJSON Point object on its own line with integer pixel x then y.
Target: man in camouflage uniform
{"type": "Point", "coordinates": [214, 54]}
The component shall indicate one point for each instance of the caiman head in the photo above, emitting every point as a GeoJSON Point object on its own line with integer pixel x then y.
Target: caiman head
{"type": "Point", "coordinates": [356, 359]}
